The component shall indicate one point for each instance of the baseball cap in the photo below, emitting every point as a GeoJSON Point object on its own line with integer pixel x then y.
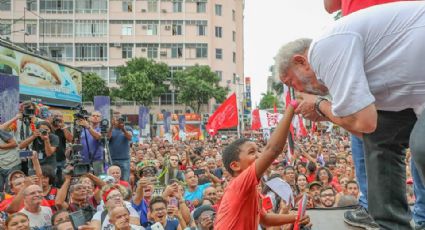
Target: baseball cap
{"type": "Point", "coordinates": [198, 212]}
{"type": "Point", "coordinates": [13, 173]}
{"type": "Point", "coordinates": [314, 183]}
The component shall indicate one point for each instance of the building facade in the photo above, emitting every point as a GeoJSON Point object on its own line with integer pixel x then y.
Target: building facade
{"type": "Point", "coordinates": [99, 35]}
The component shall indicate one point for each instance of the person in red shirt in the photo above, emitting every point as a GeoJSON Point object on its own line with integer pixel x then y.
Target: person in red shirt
{"type": "Point", "coordinates": [115, 172]}
{"type": "Point", "coordinates": [240, 206]}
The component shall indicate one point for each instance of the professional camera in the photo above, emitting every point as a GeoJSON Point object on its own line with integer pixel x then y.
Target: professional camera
{"type": "Point", "coordinates": [29, 111]}
{"type": "Point", "coordinates": [56, 121]}
{"type": "Point", "coordinates": [76, 161]}
{"type": "Point", "coordinates": [81, 113]}
{"type": "Point", "coordinates": [121, 119]}
{"type": "Point", "coordinates": [104, 125]}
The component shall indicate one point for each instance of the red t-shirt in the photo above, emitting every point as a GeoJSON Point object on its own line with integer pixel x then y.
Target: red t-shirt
{"type": "Point", "coordinates": [4, 204]}
{"type": "Point", "coordinates": [311, 177]}
{"type": "Point", "coordinates": [240, 206]}
{"type": "Point", "coordinates": [124, 183]}
{"type": "Point", "coordinates": [350, 6]}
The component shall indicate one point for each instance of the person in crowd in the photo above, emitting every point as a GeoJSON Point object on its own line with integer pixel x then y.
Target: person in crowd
{"type": "Point", "coordinates": [17, 221]}
{"type": "Point", "coordinates": [211, 194]}
{"type": "Point", "coordinates": [352, 188]}
{"type": "Point", "coordinates": [115, 172]}
{"type": "Point", "coordinates": [9, 157]}
{"type": "Point", "coordinates": [289, 176]}
{"type": "Point", "coordinates": [314, 192]}
{"type": "Point", "coordinates": [60, 216]}
{"type": "Point", "coordinates": [90, 139]}
{"type": "Point", "coordinates": [325, 176]}
{"type": "Point", "coordinates": [119, 145]}
{"type": "Point", "coordinates": [44, 142]}
{"type": "Point", "coordinates": [204, 217]}
{"type": "Point", "coordinates": [49, 191]}
{"type": "Point", "coordinates": [120, 219]}
{"type": "Point", "coordinates": [194, 191]}
{"type": "Point", "coordinates": [158, 213]}
{"type": "Point", "coordinates": [39, 216]}
{"type": "Point", "coordinates": [242, 198]}
{"type": "Point", "coordinates": [302, 185]}
{"type": "Point", "coordinates": [64, 136]}
{"type": "Point", "coordinates": [112, 196]}
{"type": "Point", "coordinates": [327, 197]}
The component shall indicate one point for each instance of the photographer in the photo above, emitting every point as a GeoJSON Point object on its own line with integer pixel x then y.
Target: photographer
{"type": "Point", "coordinates": [92, 152]}
{"type": "Point", "coordinates": [64, 135]}
{"type": "Point", "coordinates": [9, 157]}
{"type": "Point", "coordinates": [43, 142]}
{"type": "Point", "coordinates": [119, 145]}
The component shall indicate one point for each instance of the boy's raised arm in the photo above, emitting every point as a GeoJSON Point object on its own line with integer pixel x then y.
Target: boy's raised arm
{"type": "Point", "coordinates": [276, 143]}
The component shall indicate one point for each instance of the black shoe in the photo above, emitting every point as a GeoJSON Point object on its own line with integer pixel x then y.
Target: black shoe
{"type": "Point", "coordinates": [360, 218]}
{"type": "Point", "coordinates": [420, 225]}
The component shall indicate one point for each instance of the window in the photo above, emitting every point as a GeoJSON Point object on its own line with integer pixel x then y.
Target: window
{"type": "Point", "coordinates": [201, 7]}
{"type": "Point", "coordinates": [219, 74]}
{"type": "Point", "coordinates": [90, 52]}
{"type": "Point", "coordinates": [5, 27]}
{"type": "Point", "coordinates": [176, 50]}
{"type": "Point", "coordinates": [177, 29]}
{"type": "Point", "coordinates": [218, 31]}
{"type": "Point", "coordinates": [152, 6]}
{"type": "Point", "coordinates": [177, 6]}
{"type": "Point", "coordinates": [5, 5]}
{"type": "Point", "coordinates": [127, 50]}
{"type": "Point", "coordinates": [201, 51]}
{"type": "Point", "coordinates": [100, 71]}
{"type": "Point", "coordinates": [152, 29]}
{"type": "Point", "coordinates": [91, 6]}
{"type": "Point", "coordinates": [219, 53]}
{"type": "Point", "coordinates": [233, 15]}
{"type": "Point", "coordinates": [59, 51]}
{"type": "Point", "coordinates": [113, 75]}
{"type": "Point", "coordinates": [152, 50]}
{"type": "Point", "coordinates": [56, 6]}
{"type": "Point", "coordinates": [31, 5]}
{"type": "Point", "coordinates": [31, 29]}
{"type": "Point", "coordinates": [218, 9]}
{"type": "Point", "coordinates": [90, 28]}
{"type": "Point", "coordinates": [202, 30]}
{"type": "Point", "coordinates": [57, 28]}
{"type": "Point", "coordinates": [234, 57]}
{"type": "Point", "coordinates": [127, 30]}
{"type": "Point", "coordinates": [127, 6]}
{"type": "Point", "coordinates": [234, 36]}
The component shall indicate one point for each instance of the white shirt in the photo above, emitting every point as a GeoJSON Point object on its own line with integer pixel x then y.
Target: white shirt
{"type": "Point", "coordinates": [375, 55]}
{"type": "Point", "coordinates": [106, 225]}
{"type": "Point", "coordinates": [41, 219]}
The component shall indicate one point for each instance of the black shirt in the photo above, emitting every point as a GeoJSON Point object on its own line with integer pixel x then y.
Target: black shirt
{"type": "Point", "coordinates": [38, 145]}
{"type": "Point", "coordinates": [60, 150]}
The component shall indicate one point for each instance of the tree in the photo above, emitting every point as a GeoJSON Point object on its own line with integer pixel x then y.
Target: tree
{"type": "Point", "coordinates": [268, 101]}
{"type": "Point", "coordinates": [278, 88]}
{"type": "Point", "coordinates": [141, 80]}
{"type": "Point", "coordinates": [198, 84]}
{"type": "Point", "coordinates": [93, 85]}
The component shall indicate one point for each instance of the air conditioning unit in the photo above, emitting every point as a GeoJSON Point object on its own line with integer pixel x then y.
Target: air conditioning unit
{"type": "Point", "coordinates": [143, 49]}
{"type": "Point", "coordinates": [163, 53]}
{"type": "Point", "coordinates": [143, 10]}
{"type": "Point", "coordinates": [167, 27]}
{"type": "Point", "coordinates": [144, 27]}
{"type": "Point", "coordinates": [116, 45]}
{"type": "Point", "coordinates": [164, 11]}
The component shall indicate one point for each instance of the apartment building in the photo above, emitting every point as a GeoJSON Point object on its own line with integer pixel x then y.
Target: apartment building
{"type": "Point", "coordinates": [99, 35]}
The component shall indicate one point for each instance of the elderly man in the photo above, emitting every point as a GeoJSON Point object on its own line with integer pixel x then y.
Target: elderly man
{"type": "Point", "coordinates": [371, 65]}
{"type": "Point", "coordinates": [39, 216]}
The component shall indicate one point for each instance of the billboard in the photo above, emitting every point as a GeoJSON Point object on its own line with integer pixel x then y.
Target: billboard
{"type": "Point", "coordinates": [52, 82]}
{"type": "Point", "coordinates": [9, 97]}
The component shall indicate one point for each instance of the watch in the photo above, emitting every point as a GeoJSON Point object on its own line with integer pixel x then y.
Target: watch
{"type": "Point", "coordinates": [317, 105]}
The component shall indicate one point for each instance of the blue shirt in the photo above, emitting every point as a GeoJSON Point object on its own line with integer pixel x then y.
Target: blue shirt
{"type": "Point", "coordinates": [135, 137]}
{"type": "Point", "coordinates": [172, 224]}
{"type": "Point", "coordinates": [95, 146]}
{"type": "Point", "coordinates": [119, 145]}
{"type": "Point", "coordinates": [142, 210]}
{"type": "Point", "coordinates": [197, 194]}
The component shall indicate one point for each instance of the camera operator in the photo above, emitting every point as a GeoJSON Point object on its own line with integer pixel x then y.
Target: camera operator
{"type": "Point", "coordinates": [64, 135]}
{"type": "Point", "coordinates": [92, 152]}
{"type": "Point", "coordinates": [119, 145]}
{"type": "Point", "coordinates": [43, 142]}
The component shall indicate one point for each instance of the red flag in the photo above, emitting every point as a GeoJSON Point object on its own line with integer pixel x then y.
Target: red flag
{"type": "Point", "coordinates": [313, 127]}
{"type": "Point", "coordinates": [255, 121]}
{"type": "Point", "coordinates": [303, 131]}
{"type": "Point", "coordinates": [291, 127]}
{"type": "Point", "coordinates": [226, 116]}
{"type": "Point", "coordinates": [274, 108]}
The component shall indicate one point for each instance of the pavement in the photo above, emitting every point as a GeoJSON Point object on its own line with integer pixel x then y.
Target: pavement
{"type": "Point", "coordinates": [323, 219]}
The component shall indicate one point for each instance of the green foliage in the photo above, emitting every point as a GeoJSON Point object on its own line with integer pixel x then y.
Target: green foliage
{"type": "Point", "coordinates": [277, 87]}
{"type": "Point", "coordinates": [141, 80]}
{"type": "Point", "coordinates": [268, 101]}
{"type": "Point", "coordinates": [198, 84]}
{"type": "Point", "coordinates": [93, 85]}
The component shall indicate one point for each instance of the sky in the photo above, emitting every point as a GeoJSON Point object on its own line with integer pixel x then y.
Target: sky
{"type": "Point", "coordinates": [269, 24]}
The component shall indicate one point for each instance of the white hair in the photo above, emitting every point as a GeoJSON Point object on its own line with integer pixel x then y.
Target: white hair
{"type": "Point", "coordinates": [285, 54]}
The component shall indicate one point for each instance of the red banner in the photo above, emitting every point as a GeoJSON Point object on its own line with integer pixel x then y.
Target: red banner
{"type": "Point", "coordinates": [226, 116]}
{"type": "Point", "coordinates": [255, 120]}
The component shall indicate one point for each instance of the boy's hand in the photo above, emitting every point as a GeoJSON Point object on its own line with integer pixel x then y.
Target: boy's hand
{"type": "Point", "coordinates": [305, 221]}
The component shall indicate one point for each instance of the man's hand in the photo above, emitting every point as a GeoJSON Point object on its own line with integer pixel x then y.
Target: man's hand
{"type": "Point", "coordinates": [84, 123]}
{"type": "Point", "coordinates": [306, 107]}
{"type": "Point", "coordinates": [305, 220]}
{"type": "Point", "coordinates": [143, 183]}
{"type": "Point", "coordinates": [36, 133]}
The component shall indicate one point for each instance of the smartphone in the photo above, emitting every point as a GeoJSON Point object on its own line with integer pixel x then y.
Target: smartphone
{"type": "Point", "coordinates": [199, 171]}
{"type": "Point", "coordinates": [77, 218]}
{"type": "Point", "coordinates": [157, 226]}
{"type": "Point", "coordinates": [25, 153]}
{"type": "Point", "coordinates": [267, 203]}
{"type": "Point", "coordinates": [173, 202]}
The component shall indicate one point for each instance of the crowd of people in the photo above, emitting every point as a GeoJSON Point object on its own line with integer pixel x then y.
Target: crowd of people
{"type": "Point", "coordinates": [177, 185]}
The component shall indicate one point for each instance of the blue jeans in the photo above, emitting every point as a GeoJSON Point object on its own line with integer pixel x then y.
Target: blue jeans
{"type": "Point", "coordinates": [419, 191]}
{"type": "Point", "coordinates": [125, 168]}
{"type": "Point", "coordinates": [359, 166]}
